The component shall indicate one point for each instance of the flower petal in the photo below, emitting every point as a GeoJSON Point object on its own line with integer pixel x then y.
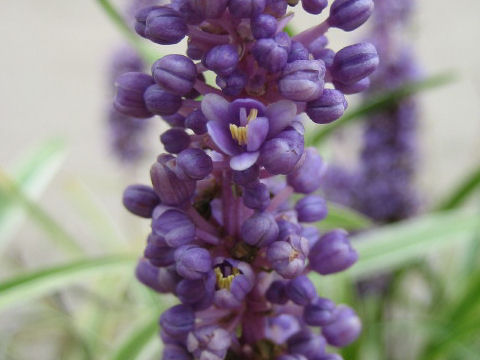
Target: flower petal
{"type": "Point", "coordinates": [222, 137]}
{"type": "Point", "coordinates": [215, 108]}
{"type": "Point", "coordinates": [280, 115]}
{"type": "Point", "coordinates": [257, 131]}
{"type": "Point", "coordinates": [244, 161]}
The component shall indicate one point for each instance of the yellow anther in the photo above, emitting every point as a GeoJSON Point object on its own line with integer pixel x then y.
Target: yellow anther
{"type": "Point", "coordinates": [225, 282]}
{"type": "Point", "coordinates": [252, 115]}
{"type": "Point", "coordinates": [239, 134]}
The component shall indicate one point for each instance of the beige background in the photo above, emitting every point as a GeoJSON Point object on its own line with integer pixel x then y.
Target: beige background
{"type": "Point", "coordinates": [52, 83]}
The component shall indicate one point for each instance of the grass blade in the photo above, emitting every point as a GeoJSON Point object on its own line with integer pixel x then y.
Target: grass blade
{"type": "Point", "coordinates": [32, 175]}
{"type": "Point", "coordinates": [9, 190]}
{"type": "Point", "coordinates": [393, 245]}
{"type": "Point", "coordinates": [376, 104]}
{"type": "Point", "coordinates": [343, 217]}
{"type": "Point", "coordinates": [461, 193]}
{"type": "Point", "coordinates": [30, 285]}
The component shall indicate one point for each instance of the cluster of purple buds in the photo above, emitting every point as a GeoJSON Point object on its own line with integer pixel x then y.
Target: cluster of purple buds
{"type": "Point", "coordinates": [227, 238]}
{"type": "Point", "coordinates": [382, 186]}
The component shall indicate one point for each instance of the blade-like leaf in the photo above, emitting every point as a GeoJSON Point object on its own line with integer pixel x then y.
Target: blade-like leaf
{"type": "Point", "coordinates": [28, 286]}
{"type": "Point", "coordinates": [392, 245]}
{"type": "Point", "coordinates": [461, 193]}
{"type": "Point", "coordinates": [32, 175]}
{"type": "Point", "coordinates": [343, 217]}
{"type": "Point", "coordinates": [133, 344]}
{"type": "Point", "coordinates": [376, 104]}
{"type": "Point", "coordinates": [10, 191]}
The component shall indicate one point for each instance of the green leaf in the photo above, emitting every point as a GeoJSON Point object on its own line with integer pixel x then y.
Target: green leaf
{"type": "Point", "coordinates": [393, 245]}
{"type": "Point", "coordinates": [375, 104]}
{"type": "Point", "coordinates": [32, 175]}
{"type": "Point", "coordinates": [9, 190]}
{"type": "Point", "coordinates": [133, 344]}
{"type": "Point", "coordinates": [30, 285]}
{"type": "Point", "coordinates": [343, 217]}
{"type": "Point", "coordinates": [462, 192]}
{"type": "Point", "coordinates": [114, 15]}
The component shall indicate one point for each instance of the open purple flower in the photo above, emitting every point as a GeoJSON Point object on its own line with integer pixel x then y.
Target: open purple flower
{"type": "Point", "coordinates": [240, 128]}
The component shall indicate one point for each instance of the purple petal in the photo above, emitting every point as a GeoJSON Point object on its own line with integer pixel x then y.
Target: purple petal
{"type": "Point", "coordinates": [244, 161]}
{"type": "Point", "coordinates": [257, 131]}
{"type": "Point", "coordinates": [221, 136]}
{"type": "Point", "coordinates": [280, 115]}
{"type": "Point", "coordinates": [215, 108]}
{"type": "Point", "coordinates": [236, 106]}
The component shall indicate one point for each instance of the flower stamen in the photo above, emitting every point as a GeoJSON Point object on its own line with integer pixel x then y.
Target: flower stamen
{"type": "Point", "coordinates": [239, 134]}
{"type": "Point", "coordinates": [224, 282]}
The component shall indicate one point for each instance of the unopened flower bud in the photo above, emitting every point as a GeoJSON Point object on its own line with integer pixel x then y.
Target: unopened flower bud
{"type": "Point", "coordinates": [140, 200]}
{"type": "Point", "coordinates": [301, 290]}
{"type": "Point", "coordinates": [277, 293]}
{"type": "Point", "coordinates": [357, 87]}
{"type": "Point", "coordinates": [209, 9]}
{"type": "Point", "coordinates": [264, 26]}
{"type": "Point", "coordinates": [162, 25]}
{"type": "Point", "coordinates": [162, 280]}
{"type": "Point", "coordinates": [256, 196]}
{"type": "Point", "coordinates": [196, 293]}
{"type": "Point", "coordinates": [306, 343]}
{"type": "Point", "coordinates": [221, 59]}
{"type": "Point", "coordinates": [329, 107]}
{"type": "Point", "coordinates": [175, 352]}
{"type": "Point", "coordinates": [173, 225]}
{"type": "Point", "coordinates": [259, 230]}
{"type": "Point", "coordinates": [246, 177]}
{"type": "Point", "coordinates": [311, 208]}
{"type": "Point", "coordinates": [272, 54]}
{"type": "Point", "coordinates": [332, 253]}
{"type": "Point", "coordinates": [195, 163]}
{"type": "Point", "coordinates": [130, 90]}
{"type": "Point", "coordinates": [298, 52]}
{"type": "Point", "coordinates": [354, 62]}
{"type": "Point", "coordinates": [314, 6]}
{"type": "Point", "coordinates": [175, 73]}
{"type": "Point", "coordinates": [158, 252]}
{"type": "Point", "coordinates": [288, 257]}
{"type": "Point", "coordinates": [302, 80]}
{"type": "Point", "coordinates": [246, 8]}
{"type": "Point", "coordinates": [178, 321]}
{"type": "Point", "coordinates": [161, 102]}
{"type": "Point", "coordinates": [209, 342]}
{"type": "Point", "coordinates": [175, 120]}
{"type": "Point", "coordinates": [350, 14]}
{"type": "Point", "coordinates": [232, 84]}
{"type": "Point", "coordinates": [344, 329]}
{"type": "Point", "coordinates": [276, 8]}
{"type": "Point", "coordinates": [175, 140]}
{"type": "Point", "coordinates": [193, 262]}
{"type": "Point", "coordinates": [319, 312]}
{"type": "Point", "coordinates": [197, 122]}
{"type": "Point", "coordinates": [306, 178]}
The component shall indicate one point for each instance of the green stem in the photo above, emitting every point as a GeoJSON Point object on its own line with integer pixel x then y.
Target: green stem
{"type": "Point", "coordinates": [379, 103]}
{"type": "Point", "coordinates": [132, 38]}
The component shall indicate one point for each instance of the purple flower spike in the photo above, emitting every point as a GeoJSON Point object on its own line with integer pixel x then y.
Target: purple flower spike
{"type": "Point", "coordinates": [246, 8]}
{"type": "Point", "coordinates": [161, 102]}
{"type": "Point", "coordinates": [329, 357]}
{"type": "Point", "coordinates": [281, 327]}
{"type": "Point", "coordinates": [170, 189]}
{"type": "Point", "coordinates": [260, 230]}
{"type": "Point", "coordinates": [195, 163]}
{"type": "Point", "coordinates": [350, 14]}
{"type": "Point", "coordinates": [302, 80]}
{"type": "Point", "coordinates": [301, 290]}
{"type": "Point", "coordinates": [247, 177]}
{"type": "Point", "coordinates": [175, 352]}
{"type": "Point", "coordinates": [221, 59]}
{"type": "Point", "coordinates": [178, 321]}
{"type": "Point", "coordinates": [264, 26]}
{"type": "Point", "coordinates": [332, 253]}
{"type": "Point", "coordinates": [314, 6]}
{"type": "Point", "coordinates": [140, 200]}
{"type": "Point", "coordinates": [175, 73]}
{"type": "Point", "coordinates": [173, 225]}
{"type": "Point", "coordinates": [288, 257]}
{"type": "Point", "coordinates": [272, 54]}
{"type": "Point", "coordinates": [158, 252]}
{"type": "Point", "coordinates": [175, 120]}
{"type": "Point", "coordinates": [175, 140]}
{"type": "Point", "coordinates": [311, 208]}
{"type": "Point", "coordinates": [193, 262]}
{"type": "Point", "coordinates": [291, 357]}
{"type": "Point", "coordinates": [276, 8]}
{"type": "Point", "coordinates": [130, 90]}
{"type": "Point", "coordinates": [277, 293]}
{"type": "Point", "coordinates": [256, 196]}
{"type": "Point", "coordinates": [344, 329]}
{"type": "Point", "coordinates": [306, 343]}
{"type": "Point", "coordinates": [306, 178]}
{"type": "Point", "coordinates": [209, 342]}
{"type": "Point", "coordinates": [319, 312]}
{"type": "Point", "coordinates": [162, 25]}
{"type": "Point", "coordinates": [162, 280]}
{"type": "Point", "coordinates": [354, 62]}
{"type": "Point", "coordinates": [329, 107]}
